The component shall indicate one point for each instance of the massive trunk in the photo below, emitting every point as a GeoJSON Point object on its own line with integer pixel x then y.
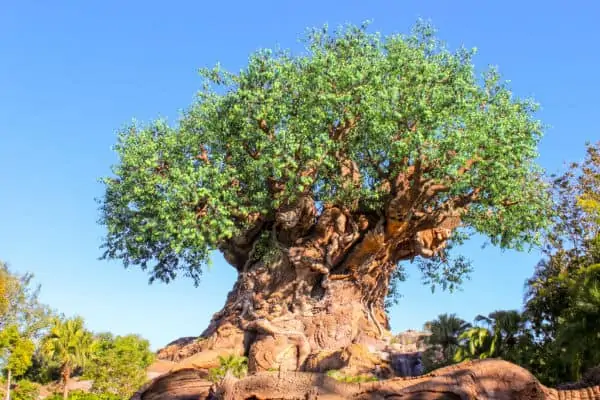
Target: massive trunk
{"type": "Point", "coordinates": [283, 317]}
{"type": "Point", "coordinates": [312, 283]}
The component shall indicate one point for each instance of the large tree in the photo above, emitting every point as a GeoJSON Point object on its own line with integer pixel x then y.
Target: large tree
{"type": "Point", "coordinates": [315, 175]}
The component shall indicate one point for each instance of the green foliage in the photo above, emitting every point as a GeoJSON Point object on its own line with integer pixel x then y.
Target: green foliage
{"type": "Point", "coordinates": [81, 395]}
{"type": "Point", "coordinates": [556, 337]}
{"type": "Point", "coordinates": [292, 121]}
{"type": "Point", "coordinates": [393, 296]}
{"type": "Point", "coordinates": [560, 299]}
{"type": "Point", "coordinates": [19, 304]}
{"type": "Point", "coordinates": [26, 390]}
{"type": "Point", "coordinates": [42, 370]}
{"type": "Point", "coordinates": [16, 350]}
{"type": "Point", "coordinates": [42, 348]}
{"type": "Point", "coordinates": [579, 325]}
{"type": "Point", "coordinates": [589, 181]}
{"type": "Point", "coordinates": [444, 271]}
{"type": "Point", "coordinates": [118, 364]}
{"type": "Point", "coordinates": [500, 339]}
{"type": "Point", "coordinates": [475, 343]}
{"type": "Point", "coordinates": [69, 344]}
{"type": "Point", "coordinates": [445, 332]}
{"type": "Point", "coordinates": [236, 365]}
{"type": "Point", "coordinates": [341, 377]}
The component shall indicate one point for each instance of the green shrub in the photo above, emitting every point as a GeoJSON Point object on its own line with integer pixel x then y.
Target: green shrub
{"type": "Point", "coordinates": [81, 395]}
{"type": "Point", "coordinates": [237, 365]}
{"type": "Point", "coordinates": [26, 390]}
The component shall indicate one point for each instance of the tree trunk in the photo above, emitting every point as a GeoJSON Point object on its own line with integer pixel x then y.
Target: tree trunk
{"type": "Point", "coordinates": [66, 375]}
{"type": "Point", "coordinates": [278, 318]}
{"type": "Point", "coordinates": [8, 383]}
{"type": "Point", "coordinates": [310, 287]}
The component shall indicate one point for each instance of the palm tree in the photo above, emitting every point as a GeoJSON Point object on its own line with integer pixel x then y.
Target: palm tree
{"type": "Point", "coordinates": [445, 331]}
{"type": "Point", "coordinates": [69, 344]}
{"type": "Point", "coordinates": [232, 364]}
{"type": "Point", "coordinates": [506, 328]}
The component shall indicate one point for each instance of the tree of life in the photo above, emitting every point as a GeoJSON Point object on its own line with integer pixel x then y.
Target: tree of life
{"type": "Point", "coordinates": [315, 175]}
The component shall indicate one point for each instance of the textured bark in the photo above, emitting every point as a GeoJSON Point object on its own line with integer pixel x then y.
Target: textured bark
{"type": "Point", "coordinates": [312, 282]}
{"type": "Point", "coordinates": [483, 380]}
{"type": "Point", "coordinates": [66, 376]}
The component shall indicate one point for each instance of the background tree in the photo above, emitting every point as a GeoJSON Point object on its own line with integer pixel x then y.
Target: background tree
{"type": "Point", "coordinates": [568, 241]}
{"type": "Point", "coordinates": [589, 186]}
{"type": "Point", "coordinates": [316, 174]}
{"type": "Point", "coordinates": [20, 305]}
{"type": "Point", "coordinates": [560, 296]}
{"type": "Point", "coordinates": [43, 369]}
{"type": "Point", "coordinates": [506, 326]}
{"type": "Point", "coordinates": [4, 290]}
{"type": "Point", "coordinates": [578, 336]}
{"type": "Point", "coordinates": [504, 336]}
{"type": "Point", "coordinates": [16, 351]}
{"type": "Point", "coordinates": [69, 344]}
{"type": "Point", "coordinates": [118, 364]}
{"type": "Point", "coordinates": [22, 320]}
{"type": "Point", "coordinates": [445, 332]}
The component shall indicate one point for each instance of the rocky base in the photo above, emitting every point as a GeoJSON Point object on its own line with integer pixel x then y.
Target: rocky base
{"type": "Point", "coordinates": [482, 379]}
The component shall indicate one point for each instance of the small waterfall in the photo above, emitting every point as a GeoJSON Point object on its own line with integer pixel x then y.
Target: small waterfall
{"type": "Point", "coordinates": [407, 364]}
{"type": "Point", "coordinates": [406, 352]}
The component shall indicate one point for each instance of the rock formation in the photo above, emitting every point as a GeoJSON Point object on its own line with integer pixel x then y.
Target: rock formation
{"type": "Point", "coordinates": [401, 357]}
{"type": "Point", "coordinates": [482, 380]}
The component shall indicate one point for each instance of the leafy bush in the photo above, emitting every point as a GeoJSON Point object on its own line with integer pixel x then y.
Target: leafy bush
{"type": "Point", "coordinates": [26, 390]}
{"type": "Point", "coordinates": [237, 365]}
{"type": "Point", "coordinates": [81, 395]}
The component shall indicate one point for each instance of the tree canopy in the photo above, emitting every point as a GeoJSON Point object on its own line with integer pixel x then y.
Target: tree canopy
{"type": "Point", "coordinates": [70, 344]}
{"type": "Point", "coordinates": [354, 121]}
{"type": "Point", "coordinates": [16, 351]}
{"type": "Point", "coordinates": [19, 304]}
{"type": "Point", "coordinates": [118, 364]}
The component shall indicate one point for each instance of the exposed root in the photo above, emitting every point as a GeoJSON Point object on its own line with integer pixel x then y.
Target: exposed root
{"type": "Point", "coordinates": [374, 320]}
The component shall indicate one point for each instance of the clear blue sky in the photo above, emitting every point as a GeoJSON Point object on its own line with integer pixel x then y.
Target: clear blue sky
{"type": "Point", "coordinates": [72, 72]}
